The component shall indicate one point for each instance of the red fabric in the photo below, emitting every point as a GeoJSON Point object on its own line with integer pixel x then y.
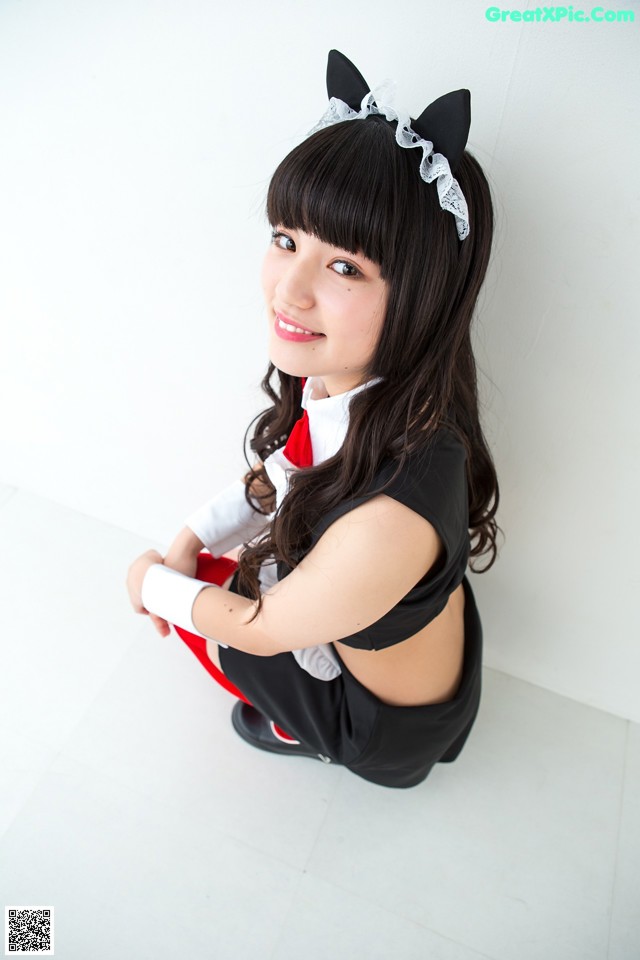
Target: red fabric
{"type": "Point", "coordinates": [298, 449]}
{"type": "Point", "coordinates": [213, 570]}
{"type": "Point", "coordinates": [283, 734]}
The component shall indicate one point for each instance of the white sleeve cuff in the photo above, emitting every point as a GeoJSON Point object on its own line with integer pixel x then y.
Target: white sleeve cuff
{"type": "Point", "coordinates": [227, 520]}
{"type": "Point", "coordinates": [171, 595]}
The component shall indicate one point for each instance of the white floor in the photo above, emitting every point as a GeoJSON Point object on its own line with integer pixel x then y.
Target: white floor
{"type": "Point", "coordinates": [128, 803]}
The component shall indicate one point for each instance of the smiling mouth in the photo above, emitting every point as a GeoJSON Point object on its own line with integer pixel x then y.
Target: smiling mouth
{"type": "Point", "coordinates": [293, 329]}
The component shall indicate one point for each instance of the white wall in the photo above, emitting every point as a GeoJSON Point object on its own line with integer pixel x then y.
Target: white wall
{"type": "Point", "coordinates": [138, 138]}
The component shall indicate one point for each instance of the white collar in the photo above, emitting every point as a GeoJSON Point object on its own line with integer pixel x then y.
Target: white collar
{"type": "Point", "coordinates": [328, 416]}
{"type": "Point", "coordinates": [328, 423]}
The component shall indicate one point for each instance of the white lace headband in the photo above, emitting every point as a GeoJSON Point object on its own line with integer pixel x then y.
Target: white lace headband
{"type": "Point", "coordinates": [432, 165]}
{"type": "Point", "coordinates": [445, 121]}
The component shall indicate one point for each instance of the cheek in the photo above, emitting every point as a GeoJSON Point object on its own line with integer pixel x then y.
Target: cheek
{"type": "Point", "coordinates": [379, 312]}
{"type": "Point", "coordinates": [267, 276]}
{"type": "Point", "coordinates": [374, 312]}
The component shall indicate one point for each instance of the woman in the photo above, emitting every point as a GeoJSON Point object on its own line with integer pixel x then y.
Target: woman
{"type": "Point", "coordinates": [348, 626]}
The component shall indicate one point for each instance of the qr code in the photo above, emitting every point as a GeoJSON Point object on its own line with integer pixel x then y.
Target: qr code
{"type": "Point", "coordinates": [28, 931]}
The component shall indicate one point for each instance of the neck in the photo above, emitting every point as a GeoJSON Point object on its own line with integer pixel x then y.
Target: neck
{"type": "Point", "coordinates": [332, 386]}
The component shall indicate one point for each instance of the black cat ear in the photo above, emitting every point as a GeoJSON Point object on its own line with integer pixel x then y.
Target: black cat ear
{"type": "Point", "coordinates": [345, 81]}
{"type": "Point", "coordinates": [446, 123]}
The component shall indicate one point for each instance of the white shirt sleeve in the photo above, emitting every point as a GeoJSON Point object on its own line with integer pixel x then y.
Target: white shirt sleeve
{"type": "Point", "coordinates": [227, 520]}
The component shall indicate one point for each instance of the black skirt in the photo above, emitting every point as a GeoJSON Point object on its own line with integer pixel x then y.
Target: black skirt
{"type": "Point", "coordinates": [341, 719]}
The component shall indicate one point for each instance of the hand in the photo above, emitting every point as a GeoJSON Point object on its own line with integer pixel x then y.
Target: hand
{"type": "Point", "coordinates": [135, 577]}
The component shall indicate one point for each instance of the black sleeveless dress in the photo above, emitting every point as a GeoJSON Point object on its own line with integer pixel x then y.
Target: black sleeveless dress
{"type": "Point", "coordinates": [388, 745]}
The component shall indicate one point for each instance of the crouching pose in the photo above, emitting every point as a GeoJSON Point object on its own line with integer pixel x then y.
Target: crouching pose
{"type": "Point", "coordinates": [347, 626]}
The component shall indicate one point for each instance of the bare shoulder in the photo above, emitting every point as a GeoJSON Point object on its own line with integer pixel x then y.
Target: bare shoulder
{"type": "Point", "coordinates": [383, 541]}
{"type": "Point", "coordinates": [384, 508]}
{"type": "Point", "coordinates": [359, 569]}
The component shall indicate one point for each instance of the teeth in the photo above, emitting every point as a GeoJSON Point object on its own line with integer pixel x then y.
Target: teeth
{"type": "Point", "coordinates": [292, 329]}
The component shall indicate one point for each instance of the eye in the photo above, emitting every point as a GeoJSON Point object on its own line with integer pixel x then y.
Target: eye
{"type": "Point", "coordinates": [350, 270]}
{"type": "Point", "coordinates": [282, 240]}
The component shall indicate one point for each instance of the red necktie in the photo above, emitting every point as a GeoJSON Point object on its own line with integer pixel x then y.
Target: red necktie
{"type": "Point", "coordinates": [298, 449]}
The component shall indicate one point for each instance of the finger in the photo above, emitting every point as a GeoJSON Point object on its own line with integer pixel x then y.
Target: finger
{"type": "Point", "coordinates": [162, 626]}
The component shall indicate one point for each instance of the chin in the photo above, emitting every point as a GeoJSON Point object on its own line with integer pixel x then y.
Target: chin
{"type": "Point", "coordinates": [290, 366]}
{"type": "Point", "coordinates": [293, 371]}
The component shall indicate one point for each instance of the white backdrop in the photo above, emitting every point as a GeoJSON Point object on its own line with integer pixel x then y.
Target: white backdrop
{"type": "Point", "coordinates": [138, 138]}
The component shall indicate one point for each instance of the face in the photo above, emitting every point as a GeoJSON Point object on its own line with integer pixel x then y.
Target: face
{"type": "Point", "coordinates": [325, 309]}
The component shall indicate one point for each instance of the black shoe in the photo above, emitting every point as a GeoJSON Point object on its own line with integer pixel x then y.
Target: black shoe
{"type": "Point", "coordinates": [257, 730]}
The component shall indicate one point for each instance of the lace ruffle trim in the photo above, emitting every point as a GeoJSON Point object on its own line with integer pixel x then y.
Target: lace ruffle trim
{"type": "Point", "coordinates": [432, 166]}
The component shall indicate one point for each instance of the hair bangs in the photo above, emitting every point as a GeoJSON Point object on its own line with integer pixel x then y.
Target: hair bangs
{"type": "Point", "coordinates": [340, 186]}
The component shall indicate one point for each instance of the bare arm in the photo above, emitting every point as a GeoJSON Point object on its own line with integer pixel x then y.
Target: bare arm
{"type": "Point", "coordinates": [360, 569]}
{"type": "Point", "coordinates": [221, 525]}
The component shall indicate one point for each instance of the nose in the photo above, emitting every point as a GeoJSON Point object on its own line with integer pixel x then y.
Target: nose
{"type": "Point", "coordinates": [295, 284]}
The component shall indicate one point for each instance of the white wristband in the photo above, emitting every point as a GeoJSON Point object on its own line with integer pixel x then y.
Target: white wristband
{"type": "Point", "coordinates": [226, 521]}
{"type": "Point", "coordinates": [171, 595]}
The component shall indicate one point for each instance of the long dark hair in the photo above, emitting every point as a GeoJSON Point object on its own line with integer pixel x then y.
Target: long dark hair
{"type": "Point", "coordinates": [353, 187]}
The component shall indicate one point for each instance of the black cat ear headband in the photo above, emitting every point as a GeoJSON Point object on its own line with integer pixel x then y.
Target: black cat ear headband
{"type": "Point", "coordinates": [441, 129]}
